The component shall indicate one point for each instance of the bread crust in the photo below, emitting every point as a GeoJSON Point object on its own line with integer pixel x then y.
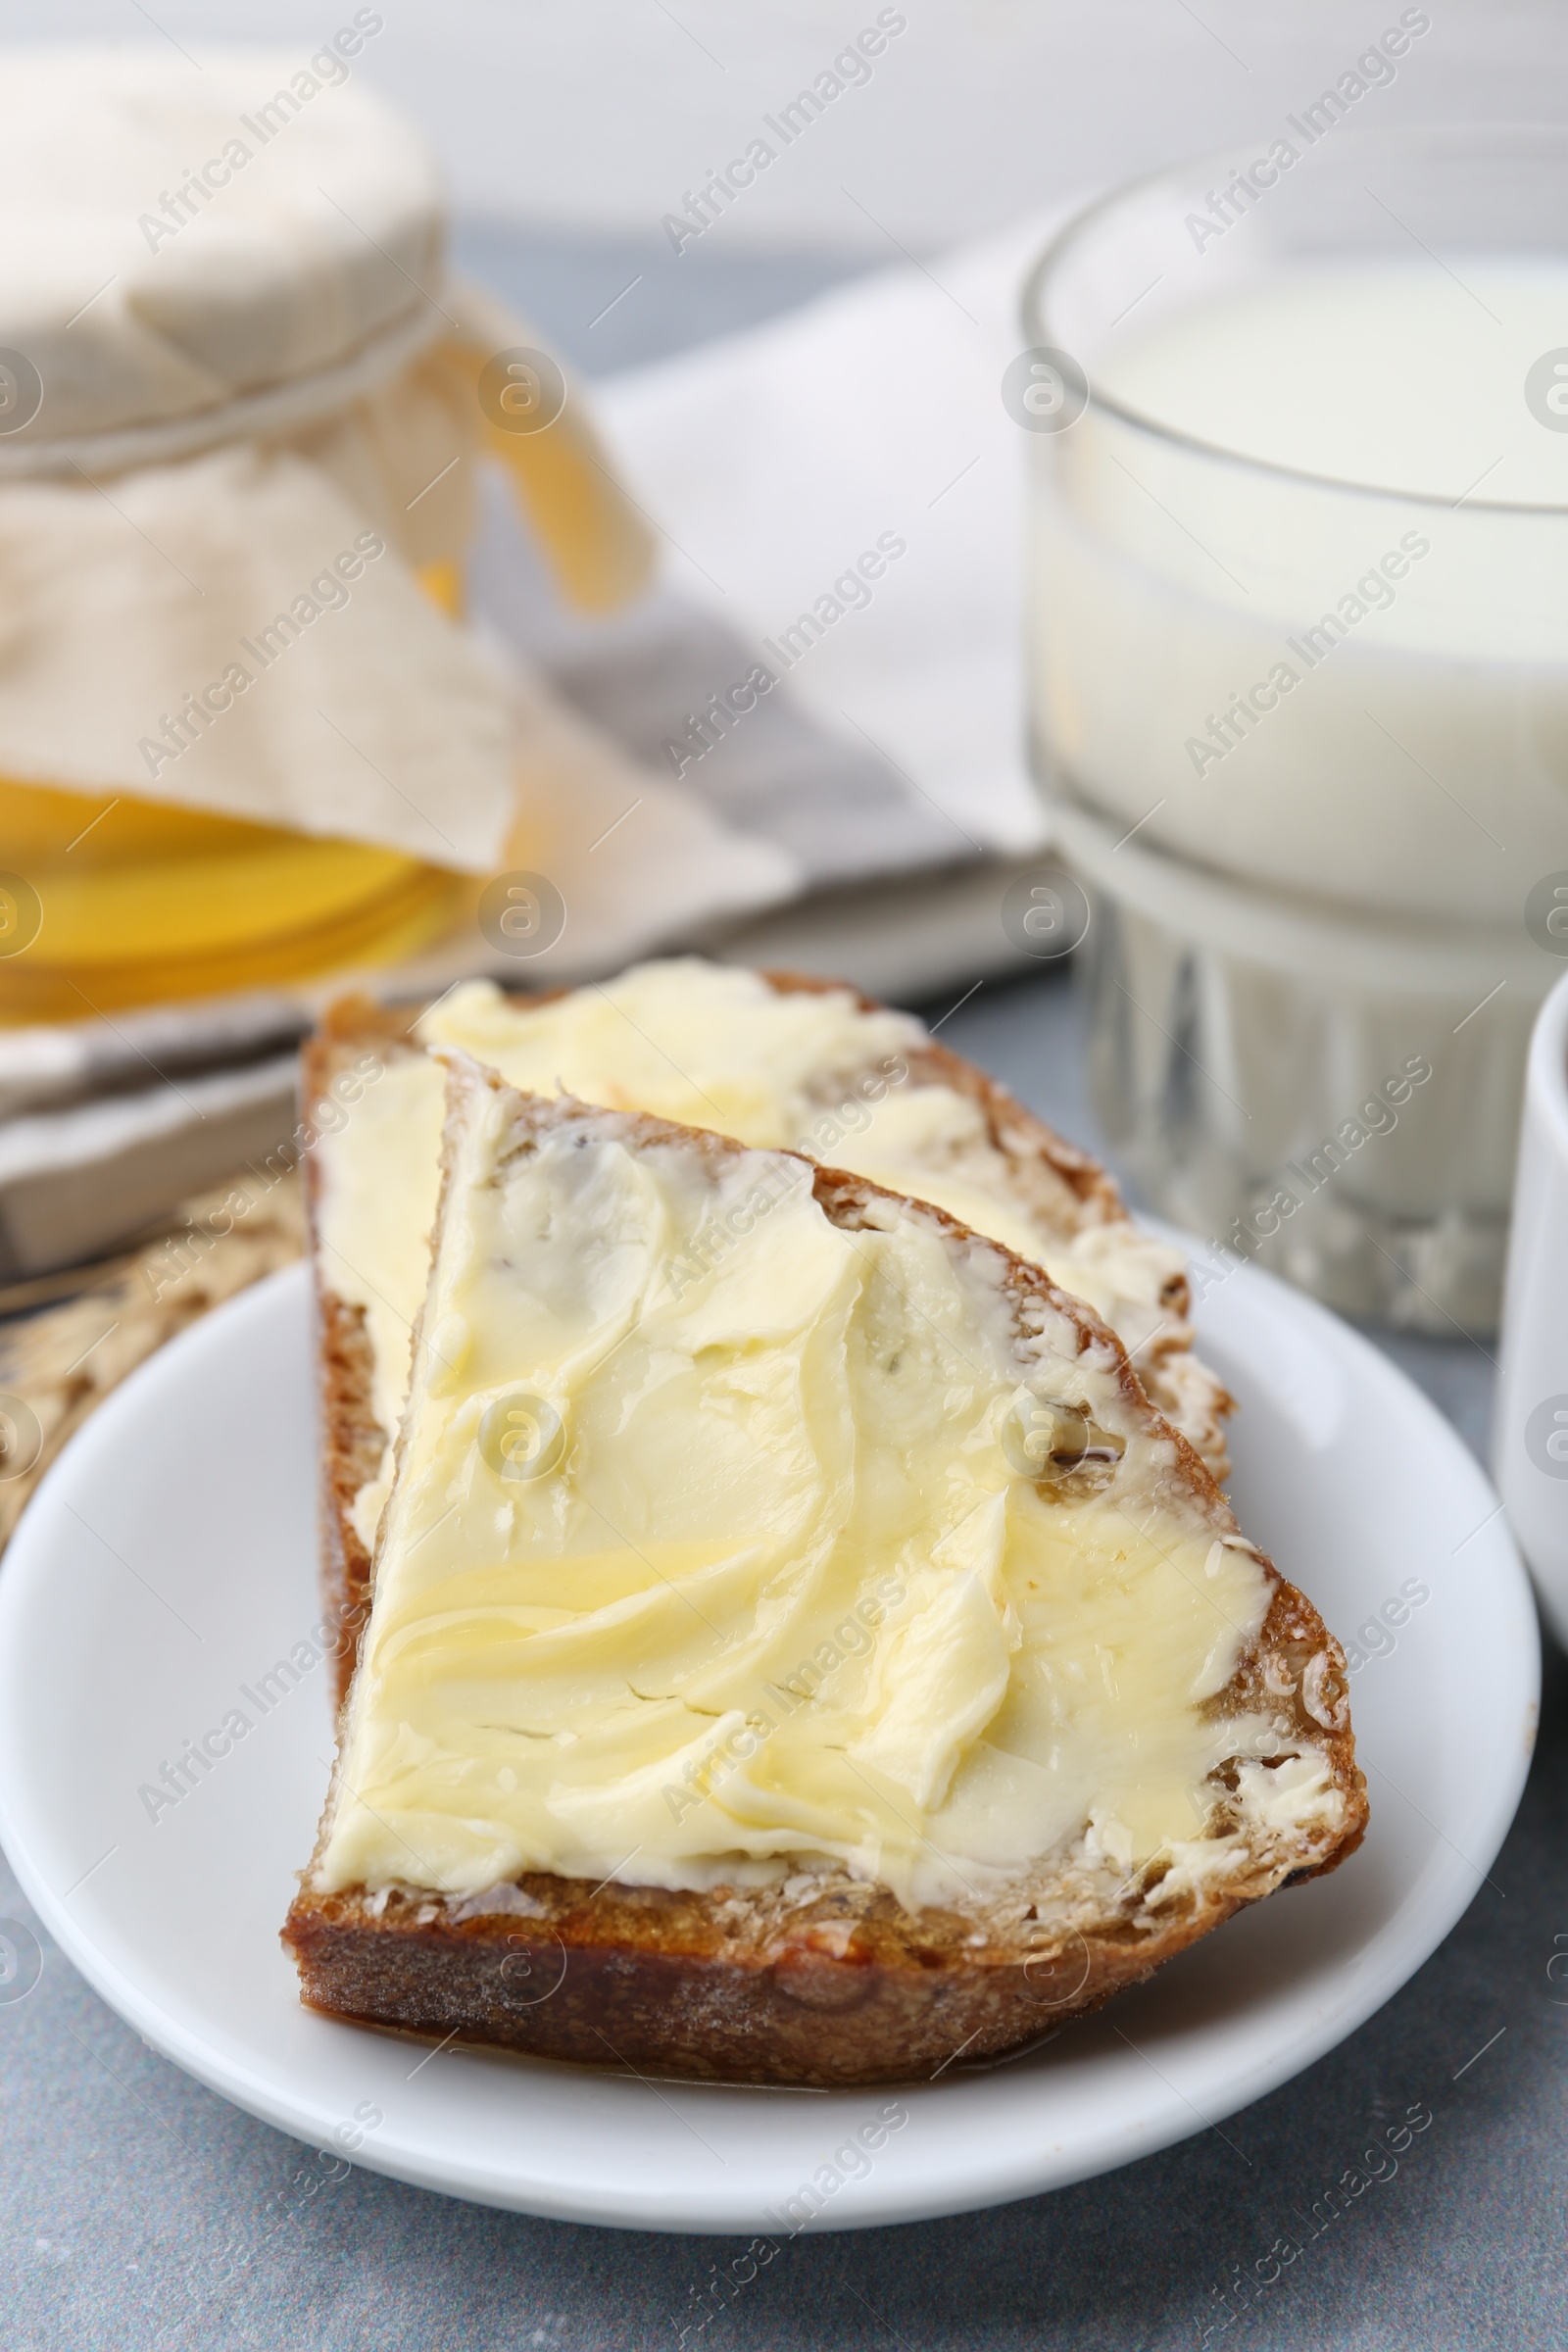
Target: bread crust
{"type": "Point", "coordinates": [350, 1440]}
{"type": "Point", "coordinates": [824, 1979]}
{"type": "Point", "coordinates": [1093, 1188]}
{"type": "Point", "coordinates": [1069, 1191]}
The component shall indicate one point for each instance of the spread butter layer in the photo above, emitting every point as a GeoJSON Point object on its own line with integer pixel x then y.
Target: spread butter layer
{"type": "Point", "coordinates": [713, 1549]}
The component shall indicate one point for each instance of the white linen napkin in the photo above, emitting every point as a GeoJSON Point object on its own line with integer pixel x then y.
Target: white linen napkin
{"type": "Point", "coordinates": [772, 463]}
{"type": "Point", "coordinates": [839, 501]}
{"type": "Point", "coordinates": [839, 498]}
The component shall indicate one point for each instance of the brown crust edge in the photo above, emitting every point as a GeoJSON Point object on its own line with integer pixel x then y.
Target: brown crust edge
{"type": "Point", "coordinates": [1092, 1185]}
{"type": "Point", "coordinates": [1020, 1135]}
{"type": "Point", "coordinates": [350, 1438]}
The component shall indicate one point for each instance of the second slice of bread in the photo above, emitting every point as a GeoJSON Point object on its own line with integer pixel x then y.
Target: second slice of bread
{"type": "Point", "coordinates": [1037, 1179]}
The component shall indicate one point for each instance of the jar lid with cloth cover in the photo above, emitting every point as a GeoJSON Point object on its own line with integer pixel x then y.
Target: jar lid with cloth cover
{"type": "Point", "coordinates": [245, 736]}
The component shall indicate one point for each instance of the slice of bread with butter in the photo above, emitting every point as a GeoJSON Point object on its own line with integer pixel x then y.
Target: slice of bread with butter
{"type": "Point", "coordinates": [797, 1650]}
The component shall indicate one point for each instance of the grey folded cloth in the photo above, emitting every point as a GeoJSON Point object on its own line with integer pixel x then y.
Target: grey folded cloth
{"type": "Point", "coordinates": [78, 1181]}
{"type": "Point", "coordinates": [70, 1061]}
{"type": "Point", "coordinates": [842, 809]}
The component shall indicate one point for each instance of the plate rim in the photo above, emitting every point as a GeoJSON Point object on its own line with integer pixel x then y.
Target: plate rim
{"type": "Point", "coordinates": [1405, 1940]}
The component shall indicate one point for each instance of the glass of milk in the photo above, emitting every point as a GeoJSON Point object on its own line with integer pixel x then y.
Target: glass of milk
{"type": "Point", "coordinates": [1298, 660]}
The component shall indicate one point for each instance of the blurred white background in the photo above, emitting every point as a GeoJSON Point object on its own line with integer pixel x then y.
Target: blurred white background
{"type": "Point", "coordinates": [594, 117]}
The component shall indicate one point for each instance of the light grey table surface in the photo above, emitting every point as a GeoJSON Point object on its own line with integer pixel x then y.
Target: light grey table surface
{"type": "Point", "coordinates": [138, 2209]}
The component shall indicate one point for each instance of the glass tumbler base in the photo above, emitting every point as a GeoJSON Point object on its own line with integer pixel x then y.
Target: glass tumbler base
{"type": "Point", "coordinates": [1330, 1095]}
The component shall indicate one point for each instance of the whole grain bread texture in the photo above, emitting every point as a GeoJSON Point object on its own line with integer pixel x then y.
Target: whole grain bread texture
{"type": "Point", "coordinates": [821, 1978]}
{"type": "Point", "coordinates": [1064, 1190]}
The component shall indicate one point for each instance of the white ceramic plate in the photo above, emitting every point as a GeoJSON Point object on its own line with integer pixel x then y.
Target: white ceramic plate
{"type": "Point", "coordinates": [169, 1561]}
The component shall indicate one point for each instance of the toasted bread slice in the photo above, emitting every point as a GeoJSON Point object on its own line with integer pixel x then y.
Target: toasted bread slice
{"type": "Point", "coordinates": [851, 1671]}
{"type": "Point", "coordinates": [865, 1087]}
